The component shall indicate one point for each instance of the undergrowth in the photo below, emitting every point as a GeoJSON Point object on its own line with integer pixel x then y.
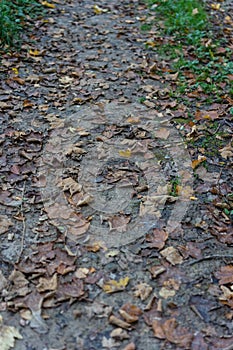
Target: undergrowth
{"type": "Point", "coordinates": [14, 16]}
{"type": "Point", "coordinates": [190, 45]}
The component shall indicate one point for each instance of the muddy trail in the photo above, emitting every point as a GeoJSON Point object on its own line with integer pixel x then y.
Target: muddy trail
{"type": "Point", "coordinates": [115, 229]}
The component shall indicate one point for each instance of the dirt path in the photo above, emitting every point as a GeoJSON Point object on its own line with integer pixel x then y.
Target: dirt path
{"type": "Point", "coordinates": [108, 239]}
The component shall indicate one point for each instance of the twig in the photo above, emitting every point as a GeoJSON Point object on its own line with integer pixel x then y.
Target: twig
{"type": "Point", "coordinates": [230, 347]}
{"type": "Point", "coordinates": [193, 307]}
{"type": "Point", "coordinates": [209, 257]}
{"type": "Point", "coordinates": [24, 223]}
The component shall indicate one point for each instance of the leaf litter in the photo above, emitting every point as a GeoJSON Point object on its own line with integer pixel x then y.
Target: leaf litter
{"type": "Point", "coordinates": [139, 289]}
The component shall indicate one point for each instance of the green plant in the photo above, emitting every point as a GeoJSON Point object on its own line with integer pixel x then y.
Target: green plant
{"type": "Point", "coordinates": [13, 17]}
{"type": "Point", "coordinates": [141, 99]}
{"type": "Point", "coordinates": [187, 17]}
{"type": "Point", "coordinates": [173, 186]}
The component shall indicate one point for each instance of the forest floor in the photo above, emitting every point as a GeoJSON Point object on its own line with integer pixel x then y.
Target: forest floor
{"type": "Point", "coordinates": [116, 190]}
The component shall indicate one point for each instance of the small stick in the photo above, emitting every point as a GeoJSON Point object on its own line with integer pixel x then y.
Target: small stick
{"type": "Point", "coordinates": [24, 223]}
{"type": "Point", "coordinates": [209, 257]}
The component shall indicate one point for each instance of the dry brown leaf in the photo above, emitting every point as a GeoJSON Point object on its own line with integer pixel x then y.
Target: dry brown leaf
{"type": "Point", "coordinates": [128, 317]}
{"type": "Point", "coordinates": [227, 151]}
{"type": "Point", "coordinates": [143, 290]}
{"type": "Point", "coordinates": [130, 346]}
{"type": "Point", "coordinates": [172, 255]}
{"type": "Point", "coordinates": [57, 211]}
{"type": "Point", "coordinates": [225, 274]}
{"type": "Point", "coordinates": [227, 297]}
{"type": "Point", "coordinates": [5, 223]}
{"type": "Point", "coordinates": [79, 228]}
{"type": "Point", "coordinates": [119, 333]}
{"type": "Point", "coordinates": [162, 133]}
{"type": "Point", "coordinates": [118, 322]}
{"type": "Point", "coordinates": [19, 284]}
{"type": "Point", "coordinates": [8, 335]}
{"type": "Point", "coordinates": [118, 222]}
{"type": "Point", "coordinates": [81, 272]}
{"type": "Point", "coordinates": [169, 288]}
{"type": "Point", "coordinates": [157, 239]}
{"type": "Point", "coordinates": [3, 281]}
{"type": "Point", "coordinates": [157, 270]}
{"type": "Point", "coordinates": [47, 284]}
{"type": "Point", "coordinates": [171, 331]}
{"type": "Point", "coordinates": [70, 185]}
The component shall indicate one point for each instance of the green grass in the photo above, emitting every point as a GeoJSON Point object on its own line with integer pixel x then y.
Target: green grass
{"type": "Point", "coordinates": [186, 32]}
{"type": "Point", "coordinates": [14, 16]}
{"type": "Point", "coordinates": [186, 17]}
{"type": "Point", "coordinates": [173, 186]}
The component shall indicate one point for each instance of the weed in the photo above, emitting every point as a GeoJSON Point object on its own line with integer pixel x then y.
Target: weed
{"type": "Point", "coordinates": [146, 26]}
{"type": "Point", "coordinates": [187, 17]}
{"type": "Point", "coordinates": [173, 186]}
{"type": "Point", "coordinates": [141, 99]}
{"type": "Point", "coordinates": [13, 17]}
{"type": "Point", "coordinates": [187, 23]}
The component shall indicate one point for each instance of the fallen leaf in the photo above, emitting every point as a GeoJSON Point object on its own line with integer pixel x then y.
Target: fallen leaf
{"type": "Point", "coordinates": [3, 281]}
{"type": "Point", "coordinates": [172, 255]}
{"type": "Point", "coordinates": [130, 313]}
{"type": "Point", "coordinates": [157, 270]}
{"type": "Point", "coordinates": [162, 133]}
{"type": "Point", "coordinates": [35, 52]}
{"type": "Point", "coordinates": [66, 80]}
{"type": "Point", "coordinates": [19, 283]}
{"type": "Point", "coordinates": [113, 286]}
{"type": "Point", "coordinates": [70, 185]}
{"type": "Point", "coordinates": [195, 11]}
{"type": "Point", "coordinates": [157, 239]}
{"type": "Point", "coordinates": [8, 334]}
{"type": "Point", "coordinates": [48, 4]}
{"type": "Point", "coordinates": [125, 154]}
{"type": "Point", "coordinates": [130, 346]}
{"type": "Point", "coordinates": [120, 334]}
{"type": "Point", "coordinates": [47, 284]}
{"type": "Point", "coordinates": [225, 274]}
{"type": "Point", "coordinates": [81, 272]}
{"type": "Point", "coordinates": [169, 288]}
{"type": "Point", "coordinates": [118, 222]}
{"type": "Point", "coordinates": [118, 322]}
{"type": "Point", "coordinates": [227, 151]}
{"type": "Point", "coordinates": [57, 211]}
{"type": "Point", "coordinates": [216, 6]}
{"type": "Point", "coordinates": [98, 10]}
{"type": "Point", "coordinates": [198, 161]}
{"type": "Point", "coordinates": [5, 223]}
{"type": "Point", "coordinates": [109, 343]}
{"type": "Point", "coordinates": [143, 290]}
{"type": "Point", "coordinates": [171, 331]}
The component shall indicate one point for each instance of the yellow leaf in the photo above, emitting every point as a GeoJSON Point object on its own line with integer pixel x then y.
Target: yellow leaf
{"type": "Point", "coordinates": [112, 286]}
{"type": "Point", "coordinates": [150, 43]}
{"type": "Point", "coordinates": [198, 161]}
{"type": "Point", "coordinates": [98, 10]}
{"type": "Point", "coordinates": [126, 153]}
{"type": "Point", "coordinates": [15, 70]}
{"type": "Point", "coordinates": [34, 52]}
{"type": "Point", "coordinates": [48, 4]}
{"type": "Point", "coordinates": [132, 120]}
{"type": "Point", "coordinates": [215, 6]}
